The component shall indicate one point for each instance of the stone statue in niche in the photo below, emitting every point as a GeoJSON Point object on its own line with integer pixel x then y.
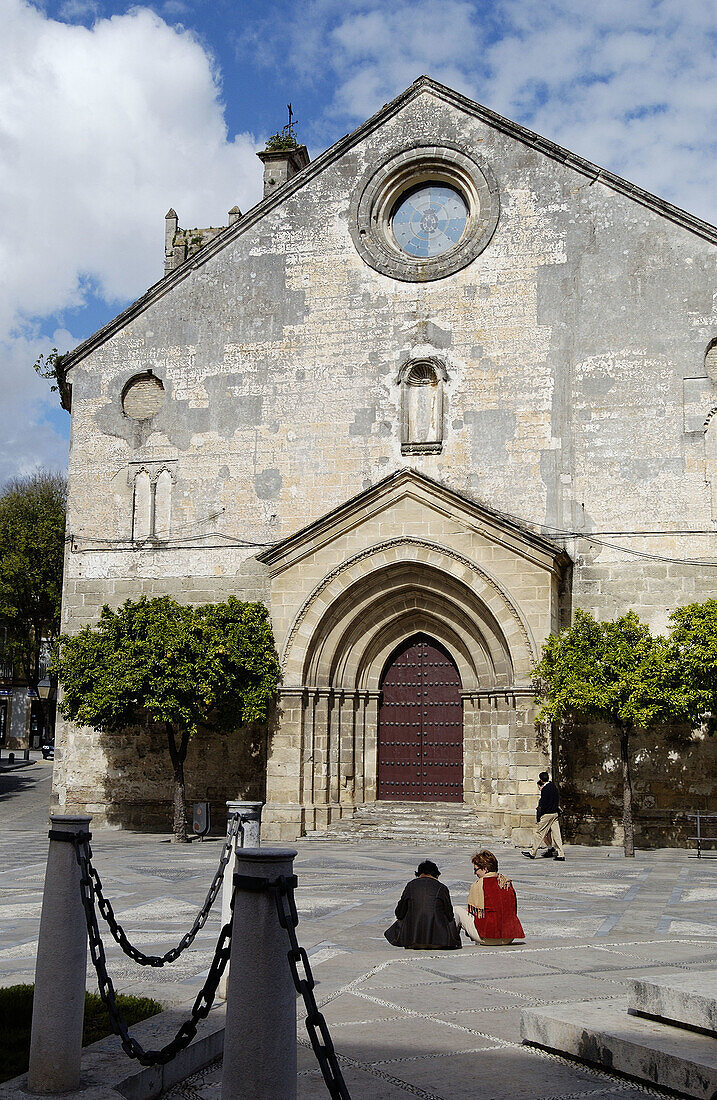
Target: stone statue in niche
{"type": "Point", "coordinates": [421, 383]}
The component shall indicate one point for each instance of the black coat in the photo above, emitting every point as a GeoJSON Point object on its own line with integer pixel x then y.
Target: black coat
{"type": "Point", "coordinates": [548, 803]}
{"type": "Point", "coordinates": [425, 916]}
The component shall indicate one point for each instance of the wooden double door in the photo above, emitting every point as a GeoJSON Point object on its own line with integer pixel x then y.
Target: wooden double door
{"type": "Point", "coordinates": [420, 725]}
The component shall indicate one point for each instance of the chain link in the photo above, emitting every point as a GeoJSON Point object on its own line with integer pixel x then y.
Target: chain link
{"type": "Point", "coordinates": [283, 890]}
{"type": "Point", "coordinates": [204, 999]}
{"type": "Point", "coordinates": [120, 936]}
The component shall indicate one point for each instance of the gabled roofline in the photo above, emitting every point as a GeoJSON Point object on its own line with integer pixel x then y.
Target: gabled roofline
{"type": "Point", "coordinates": [330, 519]}
{"type": "Point", "coordinates": [424, 83]}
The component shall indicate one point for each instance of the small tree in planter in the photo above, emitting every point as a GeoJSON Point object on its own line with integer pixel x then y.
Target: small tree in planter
{"type": "Point", "coordinates": [612, 672]}
{"type": "Point", "coordinates": [176, 668]}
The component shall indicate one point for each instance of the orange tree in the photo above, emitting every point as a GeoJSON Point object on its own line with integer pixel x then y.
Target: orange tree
{"type": "Point", "coordinates": [179, 669]}
{"type": "Point", "coordinates": [612, 672]}
{"type": "Point", "coordinates": [693, 651]}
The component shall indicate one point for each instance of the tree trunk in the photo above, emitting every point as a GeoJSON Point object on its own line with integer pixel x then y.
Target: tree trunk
{"type": "Point", "coordinates": [627, 821]}
{"type": "Point", "coordinates": [178, 756]}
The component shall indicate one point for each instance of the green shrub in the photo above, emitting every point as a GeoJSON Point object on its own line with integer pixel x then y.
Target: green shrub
{"type": "Point", "coordinates": [16, 1018]}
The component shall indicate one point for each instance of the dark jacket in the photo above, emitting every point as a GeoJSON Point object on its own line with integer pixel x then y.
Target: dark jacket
{"type": "Point", "coordinates": [548, 803]}
{"type": "Point", "coordinates": [425, 916]}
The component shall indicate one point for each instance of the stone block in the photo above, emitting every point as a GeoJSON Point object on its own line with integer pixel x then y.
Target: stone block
{"type": "Point", "coordinates": [604, 1034]}
{"type": "Point", "coordinates": [688, 1000]}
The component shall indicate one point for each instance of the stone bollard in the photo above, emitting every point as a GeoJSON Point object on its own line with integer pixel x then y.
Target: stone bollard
{"type": "Point", "coordinates": [61, 968]}
{"type": "Point", "coordinates": [249, 837]}
{"type": "Point", "coordinates": [251, 822]}
{"type": "Point", "coordinates": [260, 1035]}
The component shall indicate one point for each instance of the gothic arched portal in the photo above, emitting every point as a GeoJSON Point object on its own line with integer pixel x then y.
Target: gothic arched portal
{"type": "Point", "coordinates": [420, 725]}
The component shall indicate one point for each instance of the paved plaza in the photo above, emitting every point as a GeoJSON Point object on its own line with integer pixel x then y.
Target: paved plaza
{"type": "Point", "coordinates": [438, 1025]}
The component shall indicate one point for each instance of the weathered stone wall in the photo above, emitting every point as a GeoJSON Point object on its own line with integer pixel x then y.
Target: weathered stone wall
{"type": "Point", "coordinates": [674, 773]}
{"type": "Point", "coordinates": [576, 393]}
{"type": "Point", "coordinates": [567, 343]}
{"type": "Point", "coordinates": [128, 780]}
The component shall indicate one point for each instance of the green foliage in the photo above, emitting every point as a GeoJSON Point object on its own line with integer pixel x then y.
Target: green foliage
{"type": "Point", "coordinates": [52, 367]}
{"type": "Point", "coordinates": [614, 672]}
{"type": "Point", "coordinates": [620, 674]}
{"type": "Point", "coordinates": [283, 139]}
{"type": "Point", "coordinates": [97, 1019]}
{"type": "Point", "coordinates": [16, 1018]}
{"type": "Point", "coordinates": [158, 661]}
{"type": "Point", "coordinates": [32, 546]}
{"type": "Point", "coordinates": [693, 652]}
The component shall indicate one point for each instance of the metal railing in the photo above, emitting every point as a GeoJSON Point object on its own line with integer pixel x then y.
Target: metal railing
{"type": "Point", "coordinates": [700, 818]}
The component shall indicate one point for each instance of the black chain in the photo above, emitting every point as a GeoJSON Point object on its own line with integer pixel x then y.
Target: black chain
{"type": "Point", "coordinates": [105, 905]}
{"type": "Point", "coordinates": [205, 997]}
{"type": "Point", "coordinates": [283, 891]}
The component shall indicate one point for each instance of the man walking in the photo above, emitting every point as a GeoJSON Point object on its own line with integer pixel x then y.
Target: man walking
{"type": "Point", "coordinates": [547, 816]}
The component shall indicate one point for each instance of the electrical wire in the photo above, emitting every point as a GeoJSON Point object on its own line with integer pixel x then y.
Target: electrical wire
{"type": "Point", "coordinates": [191, 541]}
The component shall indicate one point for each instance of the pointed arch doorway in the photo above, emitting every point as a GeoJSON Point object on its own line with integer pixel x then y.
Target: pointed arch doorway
{"type": "Point", "coordinates": [420, 725]}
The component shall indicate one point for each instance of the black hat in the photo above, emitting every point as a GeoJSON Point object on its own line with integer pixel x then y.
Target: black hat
{"type": "Point", "coordinates": [544, 777]}
{"type": "Point", "coordinates": [428, 867]}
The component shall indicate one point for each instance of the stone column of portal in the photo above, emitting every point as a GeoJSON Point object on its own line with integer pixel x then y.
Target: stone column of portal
{"type": "Point", "coordinates": [249, 837]}
{"type": "Point", "coordinates": [370, 745]}
{"type": "Point", "coordinates": [260, 1035]}
{"type": "Point", "coordinates": [321, 757]}
{"type": "Point", "coordinates": [60, 971]}
{"type": "Point", "coordinates": [471, 752]}
{"type": "Point", "coordinates": [347, 750]}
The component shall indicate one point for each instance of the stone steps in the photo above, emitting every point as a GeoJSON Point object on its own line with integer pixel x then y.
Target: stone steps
{"type": "Point", "coordinates": [419, 821]}
{"type": "Point", "coordinates": [670, 1054]}
{"type": "Point", "coordinates": [685, 1000]}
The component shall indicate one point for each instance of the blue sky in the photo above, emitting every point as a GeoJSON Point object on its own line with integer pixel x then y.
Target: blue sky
{"type": "Point", "coordinates": [110, 113]}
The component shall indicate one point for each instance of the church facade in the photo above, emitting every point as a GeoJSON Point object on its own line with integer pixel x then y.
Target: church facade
{"type": "Point", "coordinates": [438, 388]}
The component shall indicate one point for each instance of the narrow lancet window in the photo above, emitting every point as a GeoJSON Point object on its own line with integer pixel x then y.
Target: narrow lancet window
{"type": "Point", "coordinates": [152, 505]}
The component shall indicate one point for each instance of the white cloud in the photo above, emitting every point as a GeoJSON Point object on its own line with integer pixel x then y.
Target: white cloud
{"type": "Point", "coordinates": [101, 130]}
{"type": "Point", "coordinates": [629, 84]}
{"type": "Point", "coordinates": [79, 9]}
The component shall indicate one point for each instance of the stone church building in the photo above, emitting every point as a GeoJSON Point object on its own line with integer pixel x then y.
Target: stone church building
{"type": "Point", "coordinates": [438, 388]}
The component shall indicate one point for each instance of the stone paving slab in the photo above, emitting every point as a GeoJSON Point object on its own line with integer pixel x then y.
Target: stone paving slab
{"type": "Point", "coordinates": [592, 924]}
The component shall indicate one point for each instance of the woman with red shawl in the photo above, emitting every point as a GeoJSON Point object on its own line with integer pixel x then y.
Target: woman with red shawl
{"type": "Point", "coordinates": [492, 914]}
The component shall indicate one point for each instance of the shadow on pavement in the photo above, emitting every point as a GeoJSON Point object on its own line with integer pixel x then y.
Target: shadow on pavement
{"type": "Point", "coordinates": [18, 778]}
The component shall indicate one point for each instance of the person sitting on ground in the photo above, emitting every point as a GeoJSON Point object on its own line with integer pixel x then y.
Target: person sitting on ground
{"type": "Point", "coordinates": [424, 913]}
{"type": "Point", "coordinates": [492, 914]}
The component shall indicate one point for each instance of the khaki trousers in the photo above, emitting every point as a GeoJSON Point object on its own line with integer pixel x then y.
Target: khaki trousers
{"type": "Point", "coordinates": [465, 922]}
{"type": "Point", "coordinates": [548, 824]}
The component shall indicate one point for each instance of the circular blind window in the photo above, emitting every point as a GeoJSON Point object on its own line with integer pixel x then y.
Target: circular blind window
{"type": "Point", "coordinates": [143, 397]}
{"type": "Point", "coordinates": [711, 360]}
{"type": "Point", "coordinates": [429, 220]}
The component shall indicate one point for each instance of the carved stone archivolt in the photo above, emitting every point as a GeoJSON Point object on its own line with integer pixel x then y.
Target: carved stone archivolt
{"type": "Point", "coordinates": [426, 552]}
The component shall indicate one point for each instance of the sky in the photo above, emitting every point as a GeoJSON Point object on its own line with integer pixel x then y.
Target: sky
{"type": "Point", "coordinates": [111, 113]}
